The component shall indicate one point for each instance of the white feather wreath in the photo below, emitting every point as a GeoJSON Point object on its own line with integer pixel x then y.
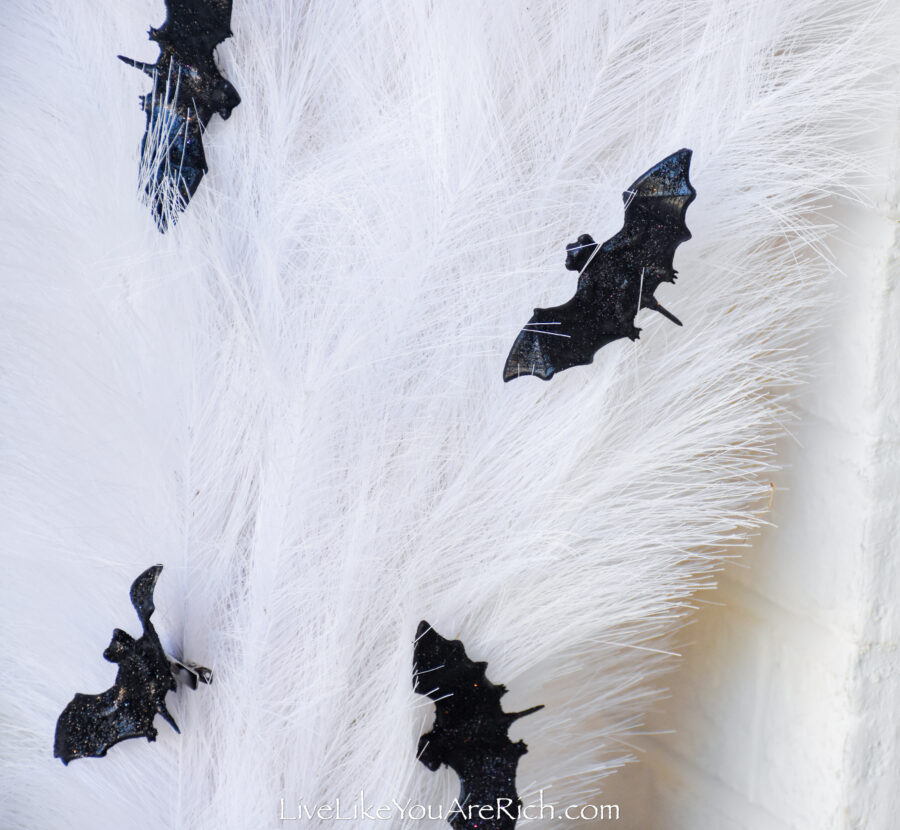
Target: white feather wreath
{"type": "Point", "coordinates": [294, 399]}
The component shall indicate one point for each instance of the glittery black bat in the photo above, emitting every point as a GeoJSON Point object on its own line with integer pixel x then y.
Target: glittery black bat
{"type": "Point", "coordinates": [187, 90]}
{"type": "Point", "coordinates": [91, 724]}
{"type": "Point", "coordinates": [613, 277]}
{"type": "Point", "coordinates": [469, 733]}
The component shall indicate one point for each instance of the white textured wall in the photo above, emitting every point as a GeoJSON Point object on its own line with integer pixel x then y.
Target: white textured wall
{"type": "Point", "coordinates": [787, 705]}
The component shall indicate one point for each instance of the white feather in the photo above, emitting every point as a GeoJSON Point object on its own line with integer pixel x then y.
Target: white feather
{"type": "Point", "coordinates": [294, 399]}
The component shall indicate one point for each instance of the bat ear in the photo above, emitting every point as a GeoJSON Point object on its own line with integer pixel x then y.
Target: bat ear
{"type": "Point", "coordinates": [120, 646]}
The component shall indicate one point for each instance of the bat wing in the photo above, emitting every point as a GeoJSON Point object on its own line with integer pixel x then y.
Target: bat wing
{"type": "Point", "coordinates": [470, 730]}
{"type": "Point", "coordinates": [559, 338]}
{"type": "Point", "coordinates": [172, 159]}
{"type": "Point", "coordinates": [195, 27]}
{"type": "Point", "coordinates": [91, 724]}
{"type": "Point", "coordinates": [655, 208]}
{"type": "Point", "coordinates": [141, 595]}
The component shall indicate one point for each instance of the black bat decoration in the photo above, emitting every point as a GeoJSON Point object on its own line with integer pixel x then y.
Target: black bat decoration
{"type": "Point", "coordinates": [616, 278]}
{"type": "Point", "coordinates": [187, 90]}
{"type": "Point", "coordinates": [91, 724]}
{"type": "Point", "coordinates": [469, 733]}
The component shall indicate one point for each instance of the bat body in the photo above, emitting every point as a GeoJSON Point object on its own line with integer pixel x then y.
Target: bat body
{"type": "Point", "coordinates": [616, 279]}
{"type": "Point", "coordinates": [469, 733]}
{"type": "Point", "coordinates": [91, 724]}
{"type": "Point", "coordinates": [187, 90]}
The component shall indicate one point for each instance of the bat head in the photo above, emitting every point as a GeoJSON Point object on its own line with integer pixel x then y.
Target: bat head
{"type": "Point", "coordinates": [120, 646]}
{"type": "Point", "coordinates": [223, 98]}
{"type": "Point", "coordinates": [579, 252]}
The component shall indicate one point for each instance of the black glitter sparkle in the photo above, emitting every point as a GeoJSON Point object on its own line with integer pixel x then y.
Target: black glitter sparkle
{"type": "Point", "coordinates": [187, 90]}
{"type": "Point", "coordinates": [627, 268]}
{"type": "Point", "coordinates": [91, 724]}
{"type": "Point", "coordinates": [469, 733]}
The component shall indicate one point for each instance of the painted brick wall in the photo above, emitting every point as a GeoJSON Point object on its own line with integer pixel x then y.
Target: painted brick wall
{"type": "Point", "coordinates": [787, 705]}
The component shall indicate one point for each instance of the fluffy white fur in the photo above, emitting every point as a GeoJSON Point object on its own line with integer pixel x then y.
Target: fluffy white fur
{"type": "Point", "coordinates": [294, 400]}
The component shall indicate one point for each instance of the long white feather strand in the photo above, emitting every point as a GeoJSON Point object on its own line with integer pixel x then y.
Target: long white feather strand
{"type": "Point", "coordinates": [294, 400]}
